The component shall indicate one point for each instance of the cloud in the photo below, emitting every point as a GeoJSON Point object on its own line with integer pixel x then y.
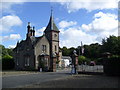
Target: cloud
{"type": "Point", "coordinates": [7, 6]}
{"type": "Point", "coordinates": [73, 36]}
{"type": "Point", "coordinates": [89, 5]}
{"type": "Point", "coordinates": [40, 31]}
{"type": "Point", "coordinates": [11, 46]}
{"type": "Point", "coordinates": [11, 37]}
{"type": "Point", "coordinates": [103, 25]}
{"type": "Point", "coordinates": [7, 22]}
{"type": "Point", "coordinates": [64, 24]}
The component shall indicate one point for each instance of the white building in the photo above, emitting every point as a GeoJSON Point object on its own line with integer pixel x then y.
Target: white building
{"type": "Point", "coordinates": [66, 61]}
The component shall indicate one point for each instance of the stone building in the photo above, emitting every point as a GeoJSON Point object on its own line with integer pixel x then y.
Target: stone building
{"type": "Point", "coordinates": [34, 53]}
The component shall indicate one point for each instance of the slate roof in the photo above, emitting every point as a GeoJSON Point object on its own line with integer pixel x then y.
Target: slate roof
{"type": "Point", "coordinates": [51, 25]}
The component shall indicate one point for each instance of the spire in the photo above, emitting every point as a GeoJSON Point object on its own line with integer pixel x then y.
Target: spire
{"type": "Point", "coordinates": [51, 25]}
{"type": "Point", "coordinates": [51, 18]}
{"type": "Point", "coordinates": [51, 11]}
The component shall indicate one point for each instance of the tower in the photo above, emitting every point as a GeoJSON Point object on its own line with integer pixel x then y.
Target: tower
{"type": "Point", "coordinates": [52, 34]}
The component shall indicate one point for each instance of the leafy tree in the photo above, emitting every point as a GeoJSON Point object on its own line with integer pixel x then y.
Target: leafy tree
{"type": "Point", "coordinates": [71, 50]}
{"type": "Point", "coordinates": [65, 51]}
{"type": "Point", "coordinates": [3, 51]}
{"type": "Point", "coordinates": [9, 51]}
{"type": "Point", "coordinates": [82, 59]}
{"type": "Point", "coordinates": [6, 55]}
{"type": "Point", "coordinates": [111, 44]}
{"type": "Point", "coordinates": [92, 50]}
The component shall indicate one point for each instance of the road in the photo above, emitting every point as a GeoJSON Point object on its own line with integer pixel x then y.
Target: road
{"type": "Point", "coordinates": [16, 81]}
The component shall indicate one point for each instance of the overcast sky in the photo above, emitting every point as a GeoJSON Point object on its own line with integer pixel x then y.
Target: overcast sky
{"type": "Point", "coordinates": [85, 21]}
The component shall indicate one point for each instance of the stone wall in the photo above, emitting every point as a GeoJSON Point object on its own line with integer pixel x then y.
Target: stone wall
{"type": "Point", "coordinates": [38, 49]}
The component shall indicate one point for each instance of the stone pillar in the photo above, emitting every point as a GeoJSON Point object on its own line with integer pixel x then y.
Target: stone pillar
{"type": "Point", "coordinates": [75, 61]}
{"type": "Point", "coordinates": [54, 64]}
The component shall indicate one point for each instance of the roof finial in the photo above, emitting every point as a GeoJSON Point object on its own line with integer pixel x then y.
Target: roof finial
{"type": "Point", "coordinates": [33, 28]}
{"type": "Point", "coordinates": [28, 23]}
{"type": "Point", "coordinates": [51, 18]}
{"type": "Point", "coordinates": [51, 10]}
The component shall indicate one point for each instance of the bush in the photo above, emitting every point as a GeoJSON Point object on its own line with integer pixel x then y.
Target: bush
{"type": "Point", "coordinates": [99, 61]}
{"type": "Point", "coordinates": [7, 62]}
{"type": "Point", "coordinates": [82, 59]}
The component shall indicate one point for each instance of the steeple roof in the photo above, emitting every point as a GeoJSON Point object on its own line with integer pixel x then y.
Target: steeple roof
{"type": "Point", "coordinates": [51, 25]}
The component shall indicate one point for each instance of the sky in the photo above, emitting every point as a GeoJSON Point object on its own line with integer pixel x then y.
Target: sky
{"type": "Point", "coordinates": [87, 21]}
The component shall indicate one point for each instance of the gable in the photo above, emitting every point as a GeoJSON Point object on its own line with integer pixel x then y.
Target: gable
{"type": "Point", "coordinates": [38, 46]}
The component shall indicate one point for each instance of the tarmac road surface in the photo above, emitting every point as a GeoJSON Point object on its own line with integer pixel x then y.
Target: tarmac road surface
{"type": "Point", "coordinates": [16, 81]}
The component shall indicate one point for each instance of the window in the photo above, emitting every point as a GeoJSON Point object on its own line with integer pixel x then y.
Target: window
{"type": "Point", "coordinates": [44, 48]}
{"type": "Point", "coordinates": [27, 59]}
{"type": "Point", "coordinates": [46, 61]}
{"type": "Point", "coordinates": [55, 48]}
{"type": "Point", "coordinates": [55, 35]}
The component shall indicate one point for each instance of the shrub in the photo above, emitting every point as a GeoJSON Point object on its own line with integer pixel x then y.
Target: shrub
{"type": "Point", "coordinates": [7, 62]}
{"type": "Point", "coordinates": [82, 59]}
{"type": "Point", "coordinates": [112, 65]}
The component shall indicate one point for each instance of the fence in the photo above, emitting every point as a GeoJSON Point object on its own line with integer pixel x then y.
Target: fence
{"type": "Point", "coordinates": [87, 68]}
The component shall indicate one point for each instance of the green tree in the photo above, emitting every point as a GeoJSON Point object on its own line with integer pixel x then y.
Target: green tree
{"type": "Point", "coordinates": [111, 44]}
{"type": "Point", "coordinates": [92, 50]}
{"type": "Point", "coordinates": [65, 51]}
{"type": "Point", "coordinates": [3, 51]}
{"type": "Point", "coordinates": [82, 59]}
{"type": "Point", "coordinates": [9, 51]}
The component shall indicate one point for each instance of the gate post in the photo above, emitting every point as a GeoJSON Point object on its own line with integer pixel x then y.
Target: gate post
{"type": "Point", "coordinates": [54, 58]}
{"type": "Point", "coordinates": [54, 64]}
{"type": "Point", "coordinates": [74, 62]}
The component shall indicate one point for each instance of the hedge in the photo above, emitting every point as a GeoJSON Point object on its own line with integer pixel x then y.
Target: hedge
{"type": "Point", "coordinates": [112, 66]}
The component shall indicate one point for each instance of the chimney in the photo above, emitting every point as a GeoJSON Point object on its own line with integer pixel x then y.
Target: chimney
{"type": "Point", "coordinates": [33, 31]}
